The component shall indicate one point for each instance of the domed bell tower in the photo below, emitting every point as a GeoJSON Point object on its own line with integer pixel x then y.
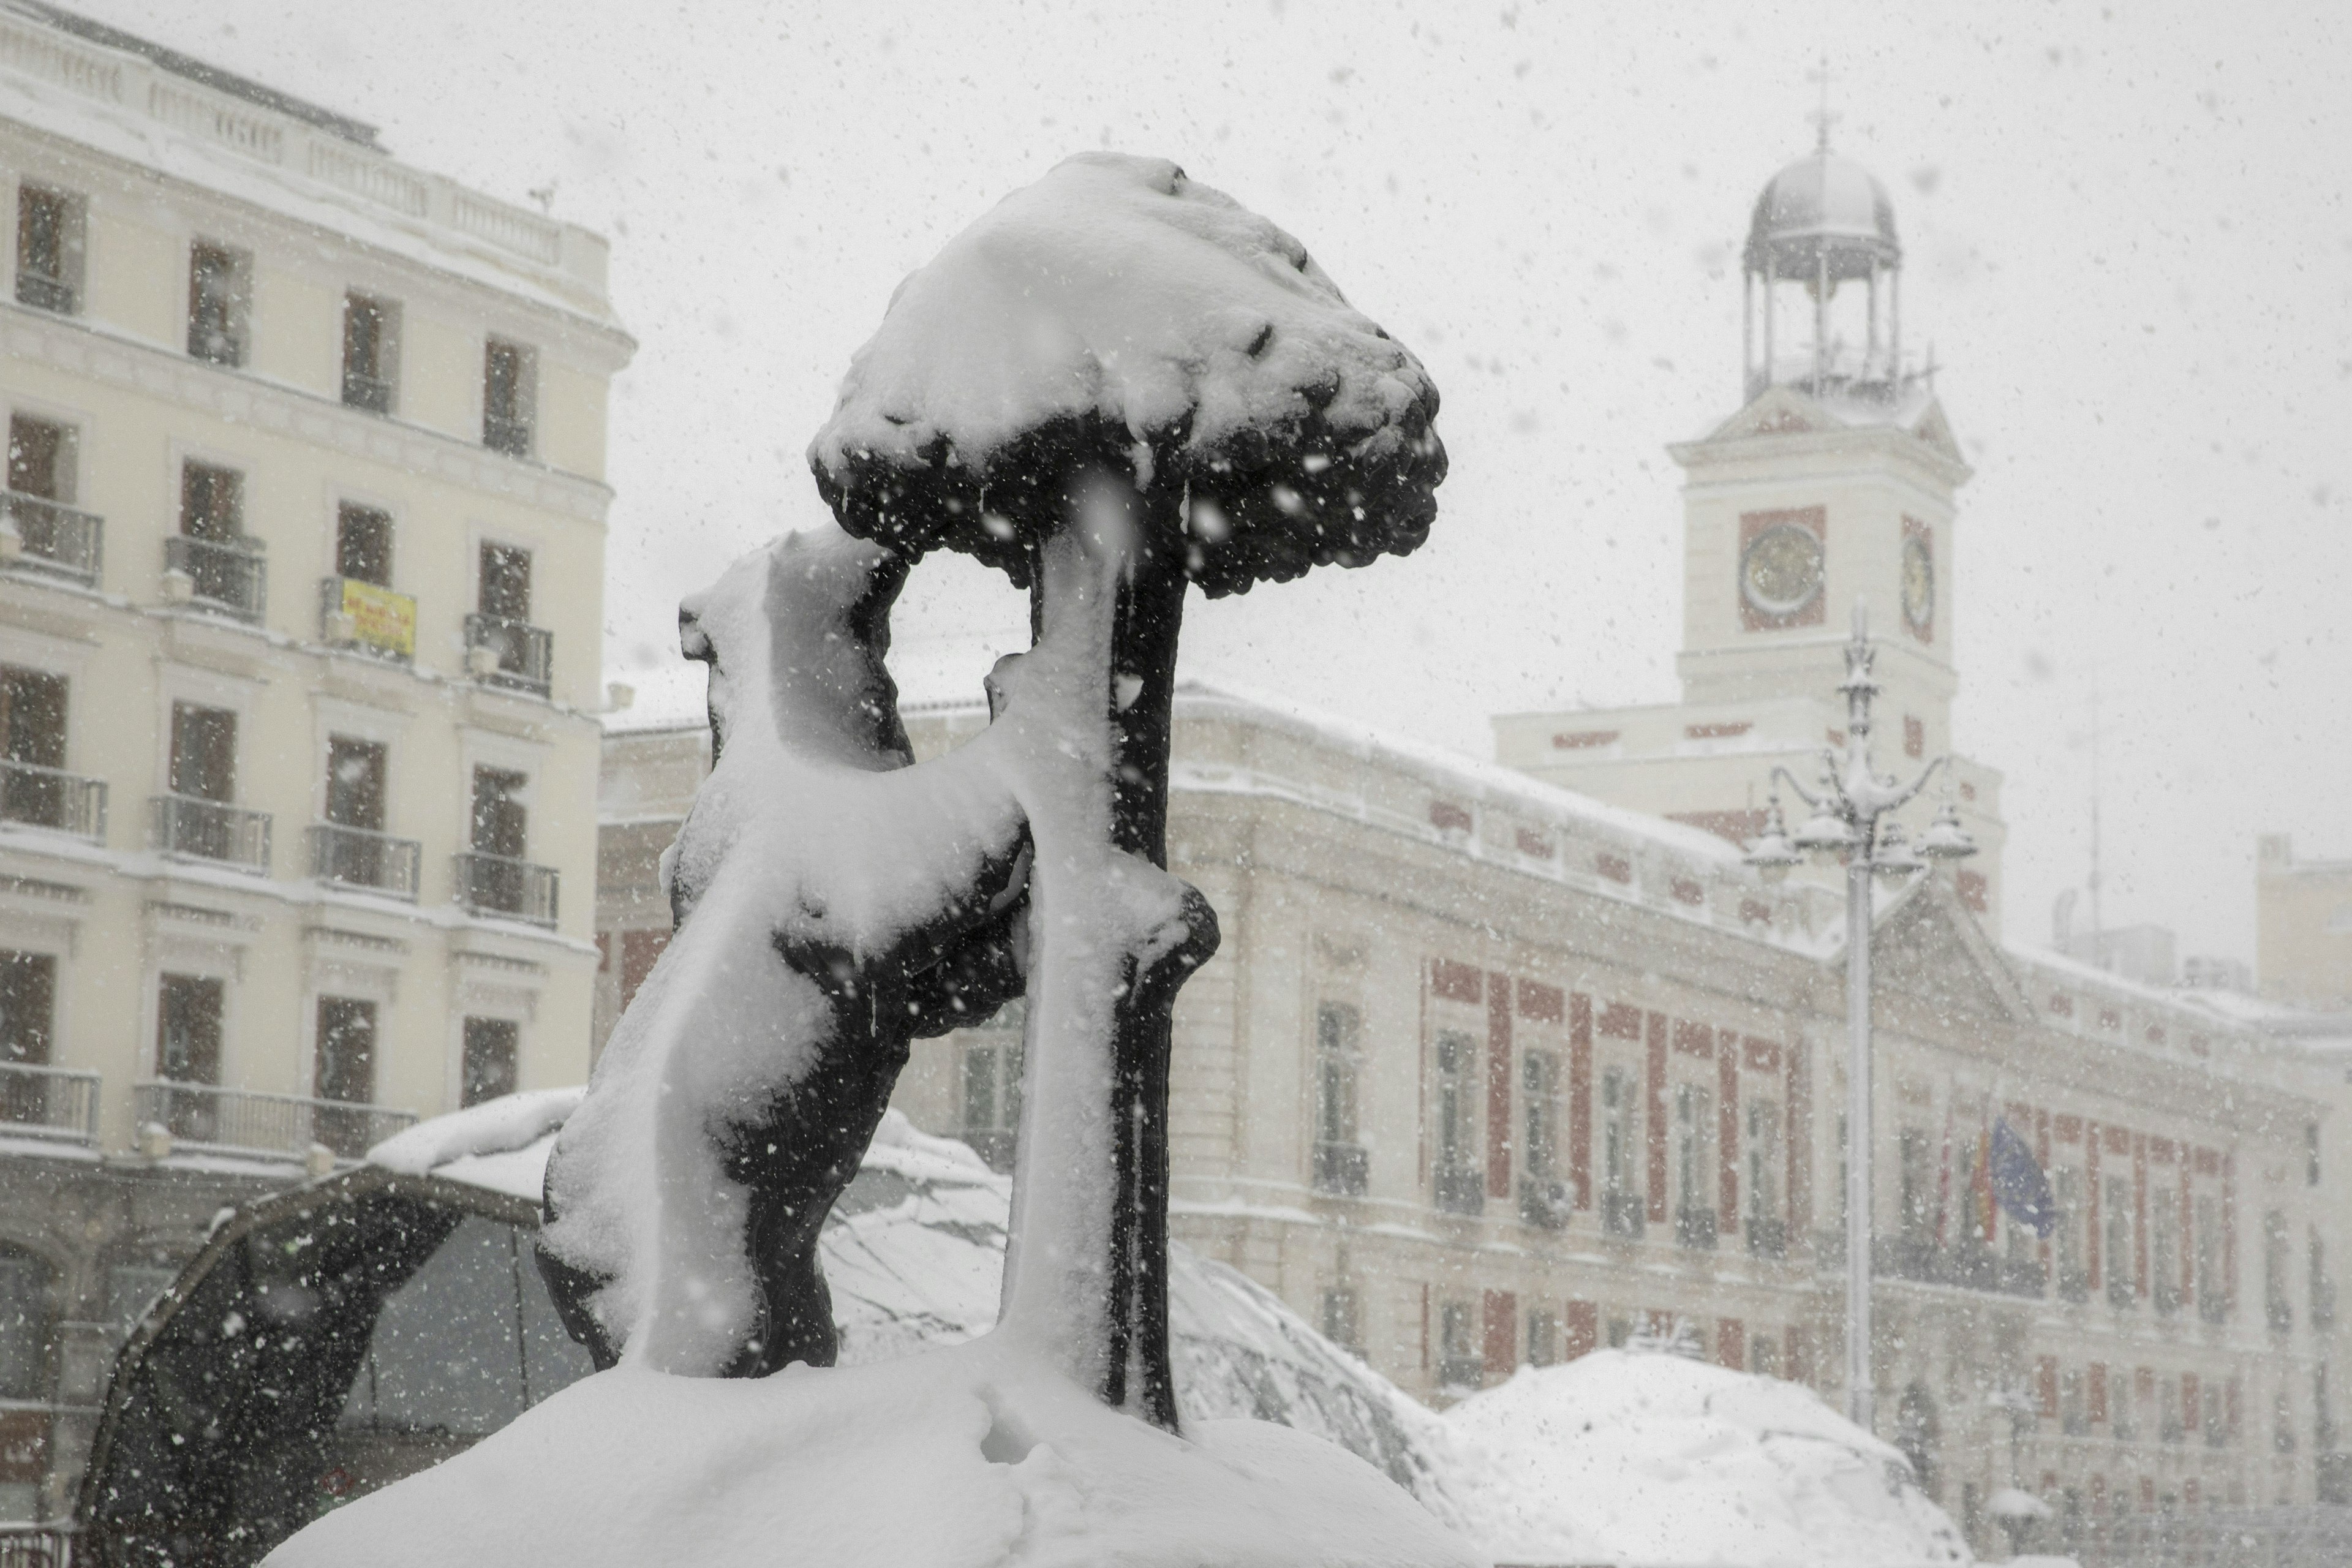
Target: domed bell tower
{"type": "Point", "coordinates": [1836, 482]}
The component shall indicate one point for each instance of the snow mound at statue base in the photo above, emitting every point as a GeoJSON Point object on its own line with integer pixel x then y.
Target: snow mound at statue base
{"type": "Point", "coordinates": [971, 1456]}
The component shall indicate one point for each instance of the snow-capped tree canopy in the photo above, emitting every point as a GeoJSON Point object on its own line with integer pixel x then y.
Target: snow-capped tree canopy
{"type": "Point", "coordinates": [1118, 312]}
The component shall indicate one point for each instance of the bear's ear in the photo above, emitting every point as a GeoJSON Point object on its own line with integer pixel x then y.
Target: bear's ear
{"type": "Point", "coordinates": [692, 641]}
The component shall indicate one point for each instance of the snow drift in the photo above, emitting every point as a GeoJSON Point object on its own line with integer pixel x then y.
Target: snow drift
{"type": "Point", "coordinates": [1646, 1458]}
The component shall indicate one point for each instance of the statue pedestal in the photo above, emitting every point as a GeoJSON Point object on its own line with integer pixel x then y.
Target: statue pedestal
{"type": "Point", "coordinates": [965, 1458]}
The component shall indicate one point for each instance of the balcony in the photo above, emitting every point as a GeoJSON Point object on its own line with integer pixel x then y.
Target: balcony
{"type": "Point", "coordinates": [373, 392]}
{"type": "Point", "coordinates": [43, 292]}
{"type": "Point", "coordinates": [511, 437]}
{"type": "Point", "coordinates": [215, 344]}
{"type": "Point", "coordinates": [53, 798]}
{"type": "Point", "coordinates": [229, 577]}
{"type": "Point", "coordinates": [501, 651]}
{"type": "Point", "coordinates": [1622, 1214]}
{"type": "Point", "coordinates": [1462, 1372]}
{"type": "Point", "coordinates": [361, 617]}
{"type": "Point", "coordinates": [39, 1102]}
{"type": "Point", "coordinates": [1694, 1228]}
{"type": "Point", "coordinates": [1460, 1189]}
{"type": "Point", "coordinates": [497, 885]}
{"type": "Point", "coordinates": [994, 1145]}
{"type": "Point", "coordinates": [1343, 1170]}
{"type": "Point", "coordinates": [358, 858]}
{"type": "Point", "coordinates": [196, 829]}
{"type": "Point", "coordinates": [50, 539]}
{"type": "Point", "coordinates": [243, 1122]}
{"type": "Point", "coordinates": [1768, 1238]}
{"type": "Point", "coordinates": [1545, 1203]}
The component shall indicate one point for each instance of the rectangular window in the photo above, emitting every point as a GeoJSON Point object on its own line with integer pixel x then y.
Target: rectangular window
{"type": "Point", "coordinates": [42, 459]}
{"type": "Point", "coordinates": [345, 1071]}
{"type": "Point", "coordinates": [211, 503]}
{"type": "Point", "coordinates": [220, 292]}
{"type": "Point", "coordinates": [2117, 1245]}
{"type": "Point", "coordinates": [1768, 1225]}
{"type": "Point", "coordinates": [2074, 1268]}
{"type": "Point", "coordinates": [1460, 1183]}
{"type": "Point", "coordinates": [1764, 1355]}
{"type": "Point", "coordinates": [51, 229]}
{"type": "Point", "coordinates": [203, 751]}
{"type": "Point", "coordinates": [509, 397]}
{"type": "Point", "coordinates": [1460, 1363]}
{"type": "Point", "coordinates": [1342, 1323]}
{"type": "Point", "coordinates": [371, 352]}
{"type": "Point", "coordinates": [24, 1325]}
{"type": "Point", "coordinates": [1543, 1337]}
{"type": "Point", "coordinates": [33, 749]}
{"type": "Point", "coordinates": [188, 1029]}
{"type": "Point", "coordinates": [500, 818]}
{"type": "Point", "coordinates": [1915, 1186]}
{"type": "Point", "coordinates": [1621, 1204]}
{"type": "Point", "coordinates": [493, 1047]}
{"type": "Point", "coordinates": [2164, 1249]}
{"type": "Point", "coordinates": [1339, 1160]}
{"type": "Point", "coordinates": [363, 545]}
{"type": "Point", "coordinates": [355, 783]}
{"type": "Point", "coordinates": [1338, 1033]}
{"type": "Point", "coordinates": [28, 991]}
{"type": "Point", "coordinates": [1695, 1172]}
{"type": "Point", "coordinates": [2212, 1291]}
{"type": "Point", "coordinates": [2278, 1265]}
{"type": "Point", "coordinates": [992, 1065]}
{"type": "Point", "coordinates": [505, 589]}
{"type": "Point", "coordinates": [1540, 1081]}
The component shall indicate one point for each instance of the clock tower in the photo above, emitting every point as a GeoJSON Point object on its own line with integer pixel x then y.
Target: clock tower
{"type": "Point", "coordinates": [1834, 483]}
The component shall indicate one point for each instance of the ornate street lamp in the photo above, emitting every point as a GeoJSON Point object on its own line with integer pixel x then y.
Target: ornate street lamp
{"type": "Point", "coordinates": [1850, 818]}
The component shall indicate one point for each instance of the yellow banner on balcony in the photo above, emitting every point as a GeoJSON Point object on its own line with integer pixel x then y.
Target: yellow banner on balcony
{"type": "Point", "coordinates": [381, 618]}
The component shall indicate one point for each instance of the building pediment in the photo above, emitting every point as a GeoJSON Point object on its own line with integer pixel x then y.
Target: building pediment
{"type": "Point", "coordinates": [1928, 946]}
{"type": "Point", "coordinates": [1776, 411]}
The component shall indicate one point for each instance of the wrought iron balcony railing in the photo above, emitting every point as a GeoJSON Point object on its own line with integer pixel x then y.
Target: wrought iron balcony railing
{"type": "Point", "coordinates": [48, 1102]}
{"type": "Point", "coordinates": [230, 576]}
{"type": "Point", "coordinates": [215, 344]}
{"type": "Point", "coordinates": [373, 392]}
{"type": "Point", "coordinates": [1343, 1170]}
{"type": "Point", "coordinates": [1462, 1371]}
{"type": "Point", "coordinates": [511, 437]}
{"type": "Point", "coordinates": [1459, 1189]}
{"type": "Point", "coordinates": [502, 651]}
{"type": "Point", "coordinates": [207, 830]}
{"type": "Point", "coordinates": [1622, 1214]}
{"type": "Point", "coordinates": [51, 539]}
{"type": "Point", "coordinates": [1546, 1202]}
{"type": "Point", "coordinates": [1694, 1228]}
{"type": "Point", "coordinates": [43, 292]}
{"type": "Point", "coordinates": [498, 885]}
{"type": "Point", "coordinates": [1767, 1237]}
{"type": "Point", "coordinates": [53, 798]}
{"type": "Point", "coordinates": [240, 1120]}
{"type": "Point", "coordinates": [359, 858]}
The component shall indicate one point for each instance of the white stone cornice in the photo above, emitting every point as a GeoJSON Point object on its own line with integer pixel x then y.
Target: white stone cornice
{"type": "Point", "coordinates": [82, 348]}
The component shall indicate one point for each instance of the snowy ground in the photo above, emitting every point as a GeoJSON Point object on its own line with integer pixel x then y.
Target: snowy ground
{"type": "Point", "coordinates": [1619, 1458]}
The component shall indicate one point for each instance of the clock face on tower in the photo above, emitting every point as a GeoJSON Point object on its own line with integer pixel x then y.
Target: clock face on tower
{"type": "Point", "coordinates": [1781, 569]}
{"type": "Point", "coordinates": [1919, 584]}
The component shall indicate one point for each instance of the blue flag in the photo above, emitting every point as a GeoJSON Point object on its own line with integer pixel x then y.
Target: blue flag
{"type": "Point", "coordinates": [2017, 1183]}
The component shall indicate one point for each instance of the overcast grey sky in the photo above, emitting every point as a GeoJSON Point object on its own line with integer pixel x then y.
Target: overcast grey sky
{"type": "Point", "coordinates": [2127, 238]}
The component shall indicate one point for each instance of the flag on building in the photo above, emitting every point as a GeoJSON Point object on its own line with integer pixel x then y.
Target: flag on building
{"type": "Point", "coordinates": [2015, 1181]}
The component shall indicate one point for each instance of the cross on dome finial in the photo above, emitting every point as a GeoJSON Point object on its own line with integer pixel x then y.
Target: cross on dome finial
{"type": "Point", "coordinates": [1822, 117]}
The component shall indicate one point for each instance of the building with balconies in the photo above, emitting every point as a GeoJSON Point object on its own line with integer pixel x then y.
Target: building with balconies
{"type": "Point", "coordinates": [279, 870]}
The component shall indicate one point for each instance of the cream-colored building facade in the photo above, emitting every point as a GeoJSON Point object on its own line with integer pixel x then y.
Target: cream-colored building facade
{"type": "Point", "coordinates": [300, 614]}
{"type": "Point", "coordinates": [2303, 927]}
